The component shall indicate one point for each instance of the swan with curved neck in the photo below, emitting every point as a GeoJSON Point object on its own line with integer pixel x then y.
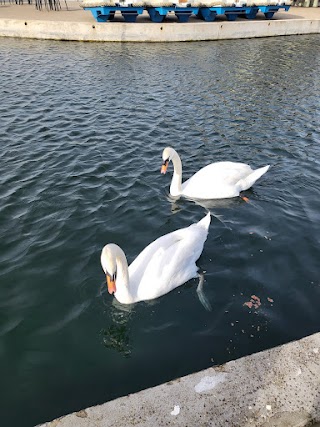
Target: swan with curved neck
{"type": "Point", "coordinates": [218, 180]}
{"type": "Point", "coordinates": [163, 265]}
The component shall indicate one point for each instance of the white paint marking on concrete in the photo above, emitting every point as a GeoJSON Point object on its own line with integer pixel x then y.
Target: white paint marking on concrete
{"type": "Point", "coordinates": [208, 383]}
{"type": "Point", "coordinates": [176, 410]}
{"type": "Point", "coordinates": [268, 407]}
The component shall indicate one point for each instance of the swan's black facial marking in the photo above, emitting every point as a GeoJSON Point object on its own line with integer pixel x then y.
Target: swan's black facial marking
{"type": "Point", "coordinates": [112, 277]}
{"type": "Point", "coordinates": [111, 282]}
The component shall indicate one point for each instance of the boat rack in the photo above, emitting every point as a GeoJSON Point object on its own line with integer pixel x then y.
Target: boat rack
{"type": "Point", "coordinates": [129, 12]}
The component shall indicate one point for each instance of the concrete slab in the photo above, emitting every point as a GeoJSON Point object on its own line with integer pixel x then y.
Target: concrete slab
{"type": "Point", "coordinates": [79, 25]}
{"type": "Point", "coordinates": [277, 387]}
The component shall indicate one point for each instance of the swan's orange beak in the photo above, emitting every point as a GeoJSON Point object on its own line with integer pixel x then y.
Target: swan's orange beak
{"type": "Point", "coordinates": [111, 285]}
{"type": "Point", "coordinates": [164, 166]}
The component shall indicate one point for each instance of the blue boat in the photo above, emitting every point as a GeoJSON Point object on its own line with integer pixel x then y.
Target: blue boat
{"type": "Point", "coordinates": [157, 14]}
{"type": "Point", "coordinates": [106, 13]}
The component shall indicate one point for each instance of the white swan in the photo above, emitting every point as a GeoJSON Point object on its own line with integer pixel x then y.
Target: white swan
{"type": "Point", "coordinates": [218, 180]}
{"type": "Point", "coordinates": [163, 265]}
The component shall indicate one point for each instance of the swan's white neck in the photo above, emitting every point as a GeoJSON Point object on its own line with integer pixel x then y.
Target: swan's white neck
{"type": "Point", "coordinates": [122, 293]}
{"type": "Point", "coordinates": [175, 187]}
{"type": "Point", "coordinates": [113, 261]}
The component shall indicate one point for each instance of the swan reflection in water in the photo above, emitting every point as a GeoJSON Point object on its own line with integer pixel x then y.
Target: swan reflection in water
{"type": "Point", "coordinates": [116, 336]}
{"type": "Point", "coordinates": [214, 205]}
{"type": "Point", "coordinates": [209, 205]}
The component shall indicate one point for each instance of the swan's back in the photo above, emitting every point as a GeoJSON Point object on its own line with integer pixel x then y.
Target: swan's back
{"type": "Point", "coordinates": [169, 261]}
{"type": "Point", "coordinates": [217, 180]}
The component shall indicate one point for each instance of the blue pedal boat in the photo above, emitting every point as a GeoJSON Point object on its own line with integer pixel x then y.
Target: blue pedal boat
{"type": "Point", "coordinates": [157, 14]}
{"type": "Point", "coordinates": [106, 13]}
{"type": "Point", "coordinates": [269, 11]}
{"type": "Point", "coordinates": [231, 12]}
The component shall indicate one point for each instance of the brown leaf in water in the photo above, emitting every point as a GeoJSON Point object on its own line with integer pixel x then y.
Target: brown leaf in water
{"type": "Point", "coordinates": [248, 304]}
{"type": "Point", "coordinates": [254, 302]}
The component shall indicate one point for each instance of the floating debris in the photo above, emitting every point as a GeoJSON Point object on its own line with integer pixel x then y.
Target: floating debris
{"type": "Point", "coordinates": [254, 302]}
{"type": "Point", "coordinates": [248, 304]}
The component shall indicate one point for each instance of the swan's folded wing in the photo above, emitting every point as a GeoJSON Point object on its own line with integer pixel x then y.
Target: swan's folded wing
{"type": "Point", "coordinates": [214, 179]}
{"type": "Point", "coordinates": [138, 266]}
{"type": "Point", "coordinates": [173, 263]}
{"type": "Point", "coordinates": [164, 272]}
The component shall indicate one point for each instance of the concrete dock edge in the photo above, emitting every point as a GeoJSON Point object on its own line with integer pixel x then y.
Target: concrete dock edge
{"type": "Point", "coordinates": [273, 388]}
{"type": "Point", "coordinates": [79, 25]}
{"type": "Point", "coordinates": [114, 32]}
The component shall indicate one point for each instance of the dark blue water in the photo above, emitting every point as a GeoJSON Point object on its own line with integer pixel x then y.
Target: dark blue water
{"type": "Point", "coordinates": [83, 127]}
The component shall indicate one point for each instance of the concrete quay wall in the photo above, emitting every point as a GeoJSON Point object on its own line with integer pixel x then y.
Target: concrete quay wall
{"type": "Point", "coordinates": [79, 25]}
{"type": "Point", "coordinates": [279, 387]}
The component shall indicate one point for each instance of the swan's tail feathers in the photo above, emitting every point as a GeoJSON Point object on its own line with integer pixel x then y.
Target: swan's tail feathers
{"type": "Point", "coordinates": [205, 222]}
{"type": "Point", "coordinates": [247, 182]}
